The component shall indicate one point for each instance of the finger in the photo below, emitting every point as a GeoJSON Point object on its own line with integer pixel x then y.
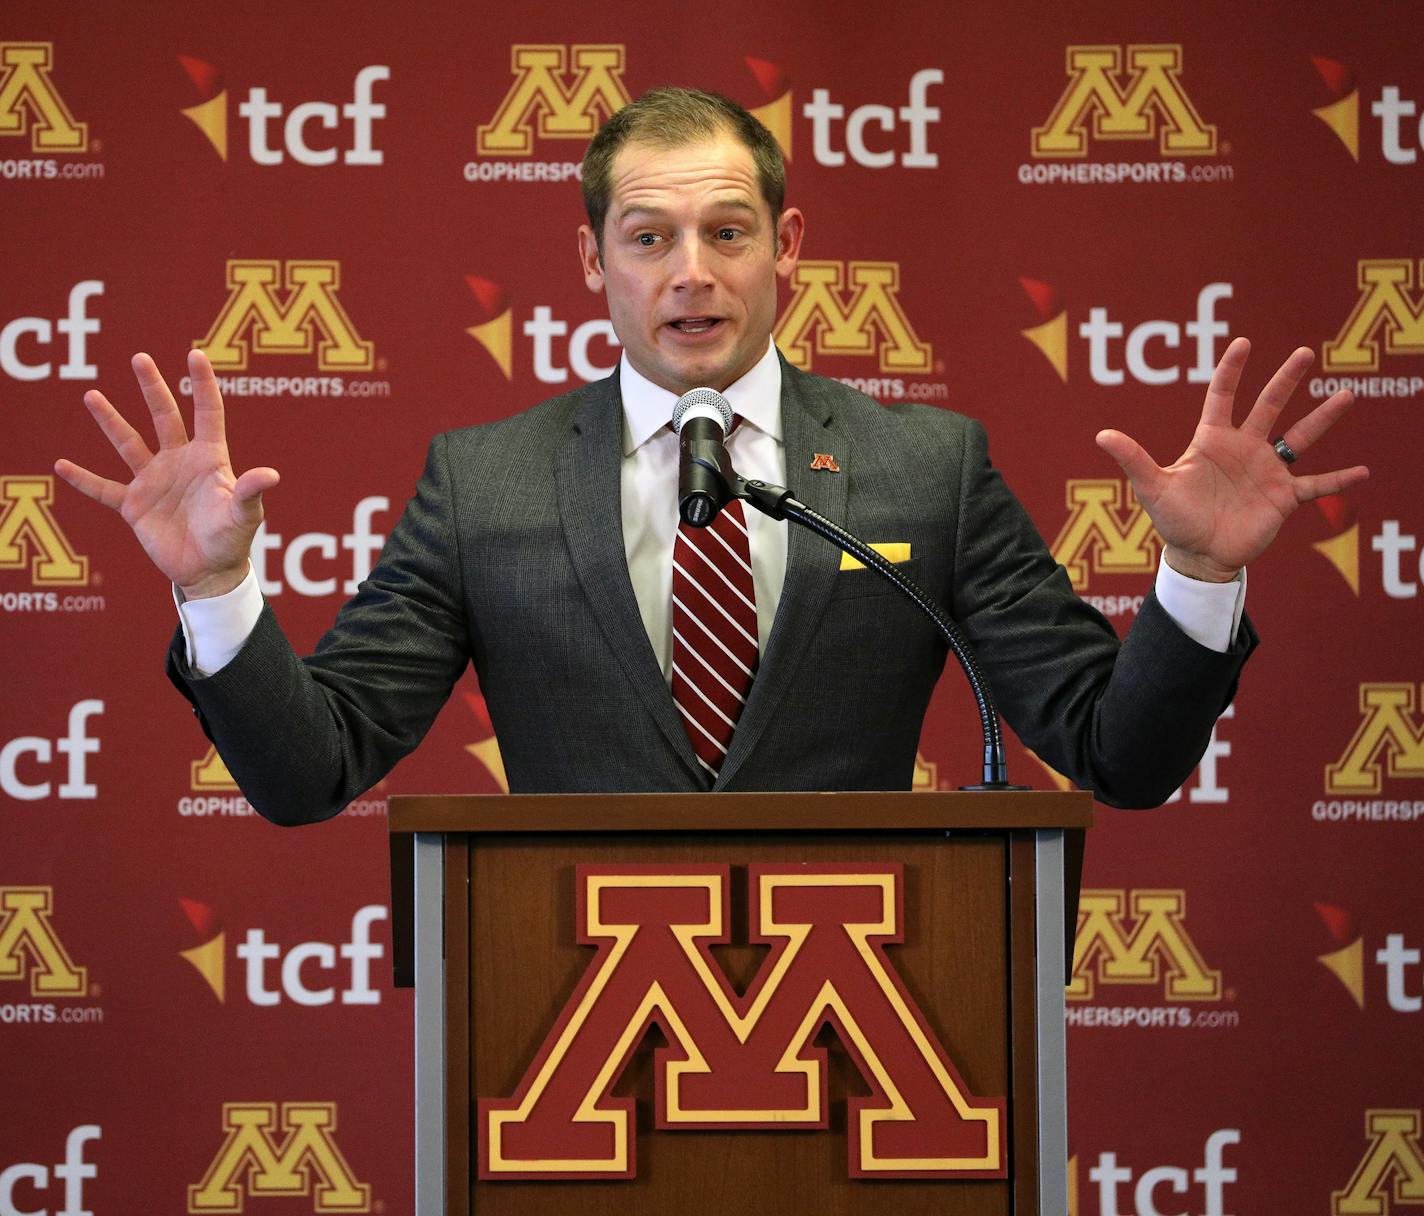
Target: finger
{"type": "Point", "coordinates": [1221, 392]}
{"type": "Point", "coordinates": [1318, 485]}
{"type": "Point", "coordinates": [1262, 418]}
{"type": "Point", "coordinates": [100, 489]}
{"type": "Point", "coordinates": [1319, 420]}
{"type": "Point", "coordinates": [208, 425]}
{"type": "Point", "coordinates": [167, 421]}
{"type": "Point", "coordinates": [126, 441]}
{"type": "Point", "coordinates": [1140, 468]}
{"type": "Point", "coordinates": [255, 482]}
{"type": "Point", "coordinates": [247, 494]}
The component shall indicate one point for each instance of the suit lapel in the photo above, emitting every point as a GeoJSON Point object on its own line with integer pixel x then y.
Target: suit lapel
{"type": "Point", "coordinates": [588, 463]}
{"type": "Point", "coordinates": [812, 564]}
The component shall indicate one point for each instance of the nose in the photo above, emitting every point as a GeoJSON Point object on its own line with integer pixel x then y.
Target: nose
{"type": "Point", "coordinates": [692, 269]}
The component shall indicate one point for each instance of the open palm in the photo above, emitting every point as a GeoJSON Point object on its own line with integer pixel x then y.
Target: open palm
{"type": "Point", "coordinates": [193, 517]}
{"type": "Point", "coordinates": [1221, 503]}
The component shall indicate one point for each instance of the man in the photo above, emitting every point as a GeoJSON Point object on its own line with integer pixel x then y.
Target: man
{"type": "Point", "coordinates": [545, 548]}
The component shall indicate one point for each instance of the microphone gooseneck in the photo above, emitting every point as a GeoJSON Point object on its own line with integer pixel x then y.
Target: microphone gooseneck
{"type": "Point", "coordinates": [778, 503]}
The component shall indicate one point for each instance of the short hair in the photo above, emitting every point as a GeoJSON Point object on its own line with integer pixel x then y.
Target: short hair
{"type": "Point", "coordinates": [673, 118]}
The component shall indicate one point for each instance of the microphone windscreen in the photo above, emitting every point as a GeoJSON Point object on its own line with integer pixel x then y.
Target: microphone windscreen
{"type": "Point", "coordinates": [702, 403]}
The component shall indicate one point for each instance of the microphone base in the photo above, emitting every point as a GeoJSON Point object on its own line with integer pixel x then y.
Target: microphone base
{"type": "Point", "coordinates": [993, 787]}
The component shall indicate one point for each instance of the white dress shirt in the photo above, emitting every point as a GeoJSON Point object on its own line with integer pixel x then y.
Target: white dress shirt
{"type": "Point", "coordinates": [216, 628]}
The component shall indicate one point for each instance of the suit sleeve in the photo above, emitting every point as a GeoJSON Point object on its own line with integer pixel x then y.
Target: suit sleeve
{"type": "Point", "coordinates": [1127, 720]}
{"type": "Point", "coordinates": [303, 737]}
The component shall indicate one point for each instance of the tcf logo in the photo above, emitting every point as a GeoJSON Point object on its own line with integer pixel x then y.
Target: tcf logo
{"type": "Point", "coordinates": [76, 746]}
{"type": "Point", "coordinates": [265, 960]}
{"type": "Point", "coordinates": [1401, 135]}
{"type": "Point", "coordinates": [1107, 1176]}
{"type": "Point", "coordinates": [73, 1172]}
{"type": "Point", "coordinates": [916, 114]}
{"type": "Point", "coordinates": [210, 116]}
{"type": "Point", "coordinates": [77, 328]}
{"type": "Point", "coordinates": [556, 347]}
{"type": "Point", "coordinates": [1139, 356]}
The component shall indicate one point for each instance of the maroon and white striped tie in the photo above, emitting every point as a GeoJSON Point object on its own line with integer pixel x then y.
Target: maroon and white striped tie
{"type": "Point", "coordinates": [714, 631]}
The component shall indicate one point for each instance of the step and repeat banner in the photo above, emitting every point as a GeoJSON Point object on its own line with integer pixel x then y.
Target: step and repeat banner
{"type": "Point", "coordinates": [1048, 219]}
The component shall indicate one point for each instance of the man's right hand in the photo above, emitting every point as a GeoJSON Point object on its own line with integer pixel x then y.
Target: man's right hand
{"type": "Point", "coordinates": [194, 519]}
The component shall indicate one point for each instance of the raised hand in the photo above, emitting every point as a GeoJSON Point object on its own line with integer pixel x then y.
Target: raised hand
{"type": "Point", "coordinates": [1222, 502]}
{"type": "Point", "coordinates": [194, 519]}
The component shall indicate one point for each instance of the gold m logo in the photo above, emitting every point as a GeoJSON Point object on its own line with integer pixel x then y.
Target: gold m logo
{"type": "Point", "coordinates": [29, 534]}
{"type": "Point", "coordinates": [1153, 95]}
{"type": "Point", "coordinates": [307, 1162]}
{"type": "Point", "coordinates": [210, 773]}
{"type": "Point", "coordinates": [1106, 950]}
{"type": "Point", "coordinates": [30, 102]}
{"type": "Point", "coordinates": [566, 111]}
{"type": "Point", "coordinates": [1389, 736]}
{"type": "Point", "coordinates": [1384, 303]}
{"type": "Point", "coordinates": [1107, 528]}
{"type": "Point", "coordinates": [870, 319]}
{"type": "Point", "coordinates": [290, 328]}
{"type": "Point", "coordinates": [24, 922]}
{"type": "Point", "coordinates": [1392, 1171]}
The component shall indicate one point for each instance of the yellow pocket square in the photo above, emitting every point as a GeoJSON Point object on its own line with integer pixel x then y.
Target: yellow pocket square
{"type": "Point", "coordinates": [891, 550]}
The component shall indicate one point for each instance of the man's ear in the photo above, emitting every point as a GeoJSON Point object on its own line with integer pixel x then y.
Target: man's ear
{"type": "Point", "coordinates": [589, 260]}
{"type": "Point", "coordinates": [789, 230]}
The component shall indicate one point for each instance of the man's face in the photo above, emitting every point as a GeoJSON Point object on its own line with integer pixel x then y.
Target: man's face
{"type": "Point", "coordinates": [691, 254]}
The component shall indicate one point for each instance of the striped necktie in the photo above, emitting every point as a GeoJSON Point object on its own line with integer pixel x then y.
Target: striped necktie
{"type": "Point", "coordinates": [714, 631]}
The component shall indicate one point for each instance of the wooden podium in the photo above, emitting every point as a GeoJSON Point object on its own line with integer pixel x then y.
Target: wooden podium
{"type": "Point", "coordinates": [490, 895]}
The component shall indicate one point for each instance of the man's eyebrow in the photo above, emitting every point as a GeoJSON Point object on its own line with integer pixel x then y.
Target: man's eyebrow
{"type": "Point", "coordinates": [649, 211]}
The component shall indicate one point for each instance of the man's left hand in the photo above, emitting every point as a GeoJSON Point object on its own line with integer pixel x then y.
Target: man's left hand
{"type": "Point", "coordinates": [1223, 501]}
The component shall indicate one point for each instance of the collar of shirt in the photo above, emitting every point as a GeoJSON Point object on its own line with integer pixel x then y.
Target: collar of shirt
{"type": "Point", "coordinates": [755, 398]}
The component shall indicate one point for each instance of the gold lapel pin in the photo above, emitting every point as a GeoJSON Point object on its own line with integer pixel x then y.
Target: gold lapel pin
{"type": "Point", "coordinates": [824, 460]}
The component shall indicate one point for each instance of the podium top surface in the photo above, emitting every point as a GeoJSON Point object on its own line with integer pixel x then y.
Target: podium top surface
{"type": "Point", "coordinates": [858, 811]}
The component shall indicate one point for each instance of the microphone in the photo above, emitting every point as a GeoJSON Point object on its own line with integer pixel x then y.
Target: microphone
{"type": "Point", "coordinates": [702, 419]}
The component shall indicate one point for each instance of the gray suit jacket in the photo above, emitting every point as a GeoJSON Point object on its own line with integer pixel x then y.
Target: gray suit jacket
{"type": "Point", "coordinates": [510, 554]}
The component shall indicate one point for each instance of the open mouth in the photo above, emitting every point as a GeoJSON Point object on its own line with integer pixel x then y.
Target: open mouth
{"type": "Point", "coordinates": [695, 325]}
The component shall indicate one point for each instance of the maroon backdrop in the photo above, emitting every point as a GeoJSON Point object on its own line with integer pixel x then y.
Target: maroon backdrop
{"type": "Point", "coordinates": [1047, 219]}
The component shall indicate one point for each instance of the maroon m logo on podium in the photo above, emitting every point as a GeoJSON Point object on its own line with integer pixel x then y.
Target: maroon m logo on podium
{"type": "Point", "coordinates": [740, 1061]}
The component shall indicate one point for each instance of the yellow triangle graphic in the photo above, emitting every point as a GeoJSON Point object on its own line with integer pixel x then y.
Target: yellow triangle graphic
{"type": "Point", "coordinates": [494, 336]}
{"type": "Point", "coordinates": [1343, 552]}
{"type": "Point", "coordinates": [1343, 117]}
{"type": "Point", "coordinates": [210, 773]}
{"type": "Point", "coordinates": [211, 119]}
{"type": "Point", "coordinates": [1347, 965]}
{"type": "Point", "coordinates": [775, 116]}
{"type": "Point", "coordinates": [1052, 339]}
{"type": "Point", "coordinates": [486, 751]}
{"type": "Point", "coordinates": [208, 959]}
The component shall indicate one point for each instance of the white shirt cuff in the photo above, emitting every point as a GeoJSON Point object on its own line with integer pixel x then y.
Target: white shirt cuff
{"type": "Point", "coordinates": [216, 628]}
{"type": "Point", "coordinates": [1208, 613]}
